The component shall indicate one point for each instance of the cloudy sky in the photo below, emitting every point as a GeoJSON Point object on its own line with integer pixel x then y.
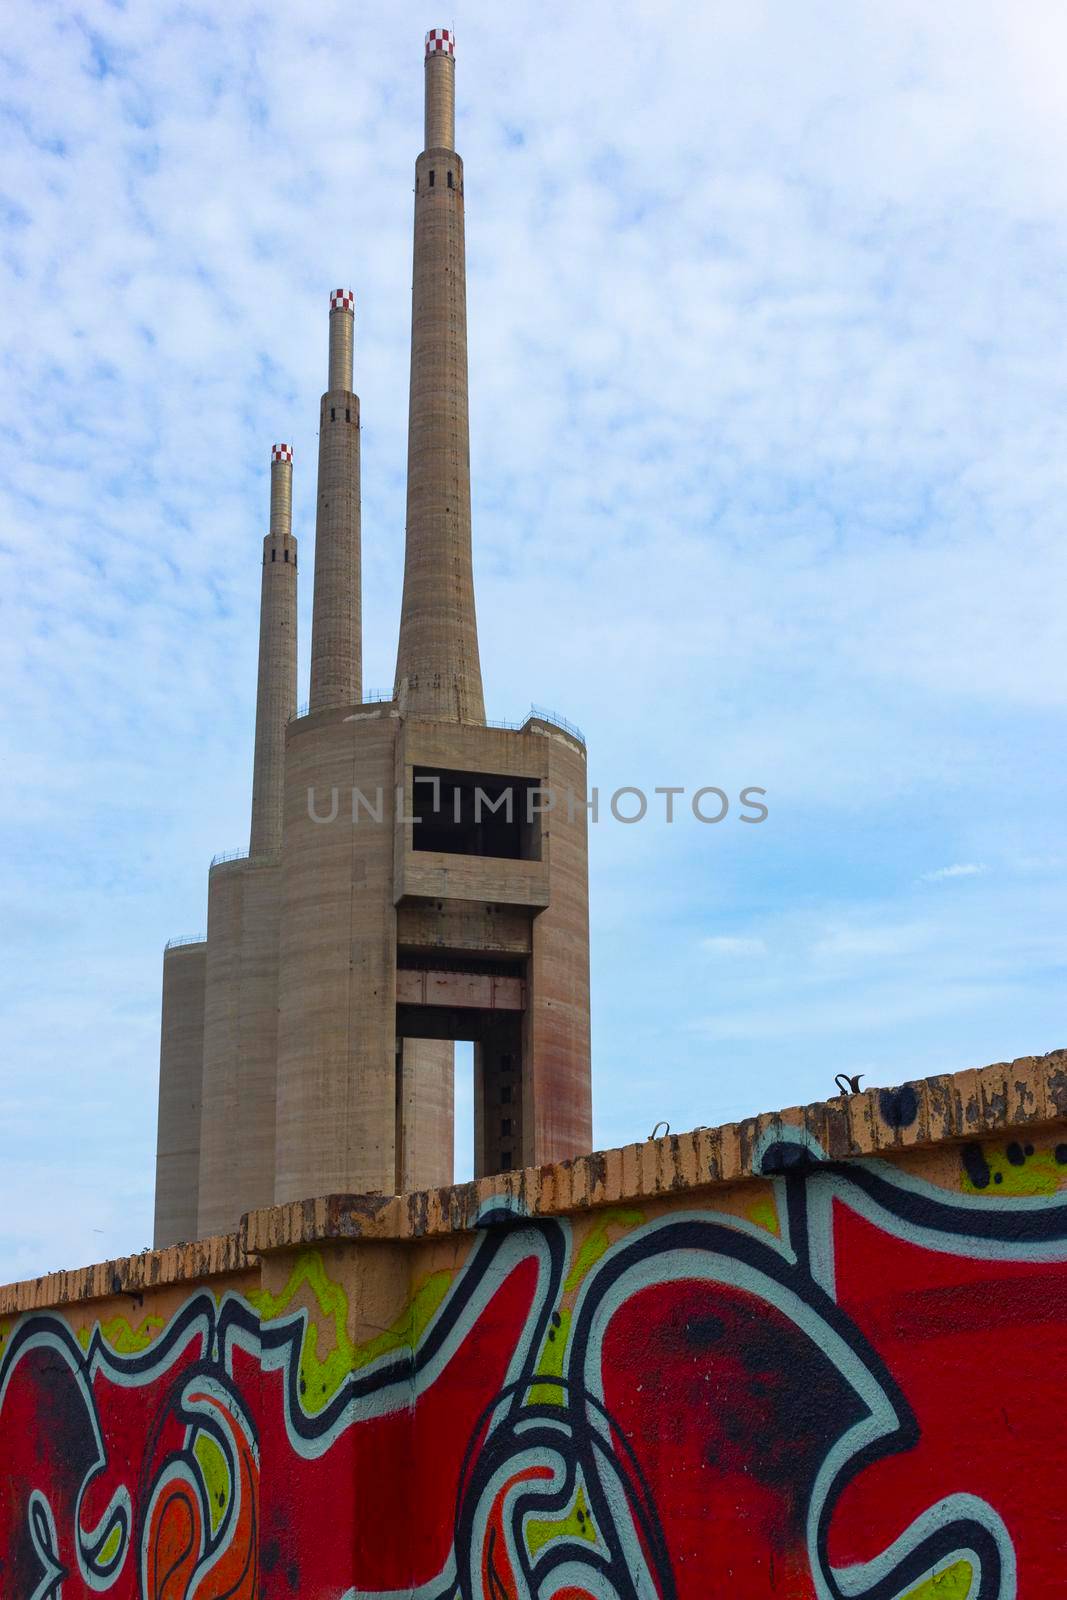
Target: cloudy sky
{"type": "Point", "coordinates": [768, 426]}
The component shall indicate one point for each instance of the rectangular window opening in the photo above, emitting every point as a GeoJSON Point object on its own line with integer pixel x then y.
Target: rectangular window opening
{"type": "Point", "coordinates": [476, 814]}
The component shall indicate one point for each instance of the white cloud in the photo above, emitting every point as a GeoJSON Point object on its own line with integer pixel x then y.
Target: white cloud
{"type": "Point", "coordinates": [961, 869]}
{"type": "Point", "coordinates": [724, 945]}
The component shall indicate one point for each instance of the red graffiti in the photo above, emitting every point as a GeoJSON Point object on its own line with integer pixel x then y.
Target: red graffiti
{"type": "Point", "coordinates": [864, 1401]}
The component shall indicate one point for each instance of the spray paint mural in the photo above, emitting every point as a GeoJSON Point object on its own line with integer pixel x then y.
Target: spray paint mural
{"type": "Point", "coordinates": [855, 1393]}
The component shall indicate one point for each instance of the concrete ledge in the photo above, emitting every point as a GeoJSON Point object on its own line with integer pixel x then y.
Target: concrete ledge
{"type": "Point", "coordinates": [180, 1263]}
{"type": "Point", "coordinates": [967, 1105]}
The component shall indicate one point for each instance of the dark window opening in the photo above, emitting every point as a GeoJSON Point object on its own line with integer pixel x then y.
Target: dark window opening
{"type": "Point", "coordinates": [348, 413]}
{"type": "Point", "coordinates": [505, 1062]}
{"type": "Point", "coordinates": [441, 960]}
{"type": "Point", "coordinates": [450, 179]}
{"type": "Point", "coordinates": [274, 555]}
{"type": "Point", "coordinates": [505, 1094]}
{"type": "Point", "coordinates": [431, 180]}
{"type": "Point", "coordinates": [505, 1127]}
{"type": "Point", "coordinates": [333, 414]}
{"type": "Point", "coordinates": [505, 1160]}
{"type": "Point", "coordinates": [286, 554]}
{"type": "Point", "coordinates": [476, 814]}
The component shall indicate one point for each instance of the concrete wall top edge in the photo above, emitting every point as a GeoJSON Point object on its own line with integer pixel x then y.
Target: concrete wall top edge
{"type": "Point", "coordinates": [966, 1105]}
{"type": "Point", "coordinates": [215, 1257]}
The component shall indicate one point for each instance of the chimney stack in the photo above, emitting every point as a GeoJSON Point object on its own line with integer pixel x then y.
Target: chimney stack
{"type": "Point", "coordinates": [276, 691]}
{"type": "Point", "coordinates": [336, 618]}
{"type": "Point", "coordinates": [438, 671]}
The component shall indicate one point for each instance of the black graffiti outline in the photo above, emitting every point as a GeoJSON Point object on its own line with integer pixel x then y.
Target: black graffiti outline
{"type": "Point", "coordinates": [513, 1427]}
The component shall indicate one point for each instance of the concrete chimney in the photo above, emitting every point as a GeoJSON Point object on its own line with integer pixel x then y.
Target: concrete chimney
{"type": "Point", "coordinates": [276, 691]}
{"type": "Point", "coordinates": [438, 672]}
{"type": "Point", "coordinates": [336, 636]}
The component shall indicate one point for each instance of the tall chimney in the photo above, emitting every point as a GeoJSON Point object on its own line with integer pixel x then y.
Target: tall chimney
{"type": "Point", "coordinates": [438, 672]}
{"type": "Point", "coordinates": [336, 664]}
{"type": "Point", "coordinates": [276, 692]}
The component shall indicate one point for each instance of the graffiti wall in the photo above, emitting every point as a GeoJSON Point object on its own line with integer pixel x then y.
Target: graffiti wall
{"type": "Point", "coordinates": [841, 1380]}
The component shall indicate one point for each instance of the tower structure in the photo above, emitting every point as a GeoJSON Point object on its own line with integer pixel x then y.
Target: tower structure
{"type": "Point", "coordinates": [336, 646]}
{"type": "Point", "coordinates": [438, 671]}
{"type": "Point", "coordinates": [415, 876]}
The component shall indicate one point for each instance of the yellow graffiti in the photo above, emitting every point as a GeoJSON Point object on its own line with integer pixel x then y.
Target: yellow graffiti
{"type": "Point", "coordinates": [597, 1241]}
{"type": "Point", "coordinates": [551, 1361]}
{"type": "Point", "coordinates": [322, 1376]}
{"type": "Point", "coordinates": [1032, 1172]}
{"type": "Point", "coordinates": [111, 1545]}
{"type": "Point", "coordinates": [121, 1336]}
{"type": "Point", "coordinates": [764, 1213]}
{"type": "Point", "coordinates": [216, 1472]}
{"type": "Point", "coordinates": [576, 1523]}
{"type": "Point", "coordinates": [954, 1583]}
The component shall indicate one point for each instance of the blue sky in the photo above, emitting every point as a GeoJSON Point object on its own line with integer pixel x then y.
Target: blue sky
{"type": "Point", "coordinates": [768, 434]}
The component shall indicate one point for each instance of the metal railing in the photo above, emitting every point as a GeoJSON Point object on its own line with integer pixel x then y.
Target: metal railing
{"type": "Point", "coordinates": [185, 938]}
{"type": "Point", "coordinates": [228, 855]}
{"type": "Point", "coordinates": [370, 697]}
{"type": "Point", "coordinates": [544, 715]}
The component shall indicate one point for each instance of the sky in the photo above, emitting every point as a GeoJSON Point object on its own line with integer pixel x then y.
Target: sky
{"type": "Point", "coordinates": [768, 414]}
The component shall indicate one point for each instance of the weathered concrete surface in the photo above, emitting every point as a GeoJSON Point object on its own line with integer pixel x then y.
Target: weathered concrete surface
{"type": "Point", "coordinates": [933, 1115]}
{"type": "Point", "coordinates": [181, 1069]}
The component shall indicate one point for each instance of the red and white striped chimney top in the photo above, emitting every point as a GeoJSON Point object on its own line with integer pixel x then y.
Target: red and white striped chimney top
{"type": "Point", "coordinates": [441, 40]}
{"type": "Point", "coordinates": [342, 300]}
{"type": "Point", "coordinates": [281, 452]}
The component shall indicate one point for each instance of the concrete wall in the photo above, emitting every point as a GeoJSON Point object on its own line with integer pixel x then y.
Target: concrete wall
{"type": "Point", "coordinates": [181, 1065]}
{"type": "Point", "coordinates": [812, 1354]}
{"type": "Point", "coordinates": [336, 1111]}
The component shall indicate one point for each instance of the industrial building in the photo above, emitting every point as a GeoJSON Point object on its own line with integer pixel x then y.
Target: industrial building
{"type": "Point", "coordinates": [405, 884]}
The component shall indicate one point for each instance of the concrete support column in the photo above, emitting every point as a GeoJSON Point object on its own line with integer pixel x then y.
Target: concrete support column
{"type": "Point", "coordinates": [438, 673]}
{"type": "Point", "coordinates": [218, 1208]}
{"type": "Point", "coordinates": [276, 689]}
{"type": "Point", "coordinates": [181, 1066]}
{"type": "Point", "coordinates": [336, 622]}
{"type": "Point", "coordinates": [425, 1138]}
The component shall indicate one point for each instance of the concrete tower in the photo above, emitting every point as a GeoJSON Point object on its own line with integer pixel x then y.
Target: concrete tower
{"type": "Point", "coordinates": [438, 672]}
{"type": "Point", "coordinates": [472, 921]}
{"type": "Point", "coordinates": [415, 877]}
{"type": "Point", "coordinates": [181, 1065]}
{"type": "Point", "coordinates": [276, 687]}
{"type": "Point", "coordinates": [241, 969]}
{"type": "Point", "coordinates": [336, 650]}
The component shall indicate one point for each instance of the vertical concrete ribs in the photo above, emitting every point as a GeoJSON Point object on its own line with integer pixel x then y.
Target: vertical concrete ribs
{"type": "Point", "coordinates": [438, 672]}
